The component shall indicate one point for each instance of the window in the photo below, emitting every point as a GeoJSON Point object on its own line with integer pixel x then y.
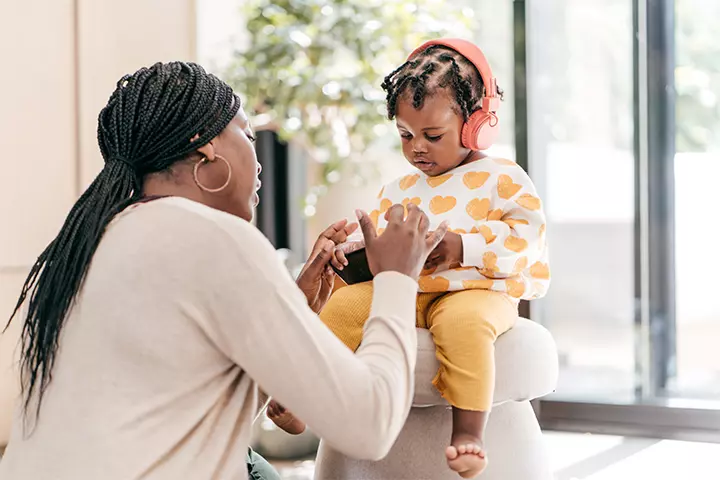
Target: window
{"type": "Point", "coordinates": [580, 124]}
{"type": "Point", "coordinates": [697, 170]}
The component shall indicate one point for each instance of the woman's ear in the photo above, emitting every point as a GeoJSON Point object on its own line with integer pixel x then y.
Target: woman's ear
{"type": "Point", "coordinates": [207, 150]}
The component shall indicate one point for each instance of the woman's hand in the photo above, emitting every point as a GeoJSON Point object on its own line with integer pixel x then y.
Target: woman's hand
{"type": "Point", "coordinates": [317, 278]}
{"type": "Point", "coordinates": [284, 419]}
{"type": "Point", "coordinates": [404, 245]}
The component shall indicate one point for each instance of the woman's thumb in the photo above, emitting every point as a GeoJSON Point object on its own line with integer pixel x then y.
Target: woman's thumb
{"type": "Point", "coordinates": [367, 226]}
{"type": "Point", "coordinates": [434, 238]}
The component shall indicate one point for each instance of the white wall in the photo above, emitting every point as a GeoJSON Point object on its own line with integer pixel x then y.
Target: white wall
{"type": "Point", "coordinates": [61, 59]}
{"type": "Point", "coordinates": [38, 141]}
{"type": "Point", "coordinates": [117, 38]}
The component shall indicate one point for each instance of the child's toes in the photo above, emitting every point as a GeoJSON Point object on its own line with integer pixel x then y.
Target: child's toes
{"type": "Point", "coordinates": [469, 461]}
{"type": "Point", "coordinates": [451, 452]}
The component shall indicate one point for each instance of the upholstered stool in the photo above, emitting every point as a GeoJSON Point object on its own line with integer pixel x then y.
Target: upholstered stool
{"type": "Point", "coordinates": [526, 369]}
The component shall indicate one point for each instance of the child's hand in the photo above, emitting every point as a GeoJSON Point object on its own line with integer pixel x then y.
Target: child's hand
{"type": "Point", "coordinates": [448, 252]}
{"type": "Point", "coordinates": [284, 419]}
{"type": "Point", "coordinates": [339, 259]}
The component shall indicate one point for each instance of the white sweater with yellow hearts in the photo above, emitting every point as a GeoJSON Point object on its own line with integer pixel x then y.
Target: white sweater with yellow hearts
{"type": "Point", "coordinates": [493, 205]}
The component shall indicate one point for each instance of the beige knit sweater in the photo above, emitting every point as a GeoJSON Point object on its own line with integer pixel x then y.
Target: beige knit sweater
{"type": "Point", "coordinates": [184, 314]}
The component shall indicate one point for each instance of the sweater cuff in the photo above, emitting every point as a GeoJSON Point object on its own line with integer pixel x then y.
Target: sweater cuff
{"type": "Point", "coordinates": [394, 295]}
{"type": "Point", "coordinates": [474, 247]}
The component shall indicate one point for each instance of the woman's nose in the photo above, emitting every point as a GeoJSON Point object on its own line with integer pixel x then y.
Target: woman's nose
{"type": "Point", "coordinates": [259, 168]}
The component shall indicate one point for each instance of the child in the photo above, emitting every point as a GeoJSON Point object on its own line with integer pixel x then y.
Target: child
{"type": "Point", "coordinates": [444, 100]}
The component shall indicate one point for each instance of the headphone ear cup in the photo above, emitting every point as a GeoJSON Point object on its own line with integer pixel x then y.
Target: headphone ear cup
{"type": "Point", "coordinates": [480, 131]}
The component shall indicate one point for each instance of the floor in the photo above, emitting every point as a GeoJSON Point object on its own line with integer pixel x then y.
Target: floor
{"type": "Point", "coordinates": [600, 457]}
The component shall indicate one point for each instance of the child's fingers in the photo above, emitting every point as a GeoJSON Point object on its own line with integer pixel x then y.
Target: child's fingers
{"type": "Point", "coordinates": [338, 260]}
{"type": "Point", "coordinates": [350, 247]}
{"type": "Point", "coordinates": [341, 257]}
{"type": "Point", "coordinates": [433, 261]}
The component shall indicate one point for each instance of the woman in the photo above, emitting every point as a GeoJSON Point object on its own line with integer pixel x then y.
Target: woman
{"type": "Point", "coordinates": [157, 313]}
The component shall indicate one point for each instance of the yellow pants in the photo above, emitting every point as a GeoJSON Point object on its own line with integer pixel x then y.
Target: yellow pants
{"type": "Point", "coordinates": [464, 326]}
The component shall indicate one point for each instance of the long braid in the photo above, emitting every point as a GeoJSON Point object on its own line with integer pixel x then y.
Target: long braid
{"type": "Point", "coordinates": [436, 68]}
{"type": "Point", "coordinates": [146, 126]}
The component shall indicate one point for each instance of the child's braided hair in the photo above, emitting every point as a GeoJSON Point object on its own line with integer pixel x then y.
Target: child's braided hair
{"type": "Point", "coordinates": [436, 68]}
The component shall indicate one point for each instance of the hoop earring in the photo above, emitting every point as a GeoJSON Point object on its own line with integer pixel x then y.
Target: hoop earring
{"type": "Point", "coordinates": [205, 160]}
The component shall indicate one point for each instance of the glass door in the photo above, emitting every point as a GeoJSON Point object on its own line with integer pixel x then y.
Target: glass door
{"type": "Point", "coordinates": [580, 124]}
{"type": "Point", "coordinates": [618, 118]}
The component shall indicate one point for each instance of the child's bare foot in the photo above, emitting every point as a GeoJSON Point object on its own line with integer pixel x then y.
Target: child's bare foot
{"type": "Point", "coordinates": [466, 456]}
{"type": "Point", "coordinates": [284, 418]}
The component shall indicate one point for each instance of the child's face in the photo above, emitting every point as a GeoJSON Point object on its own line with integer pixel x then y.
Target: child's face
{"type": "Point", "coordinates": [431, 136]}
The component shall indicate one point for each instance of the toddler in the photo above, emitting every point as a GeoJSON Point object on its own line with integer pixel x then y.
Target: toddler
{"type": "Point", "coordinates": [444, 100]}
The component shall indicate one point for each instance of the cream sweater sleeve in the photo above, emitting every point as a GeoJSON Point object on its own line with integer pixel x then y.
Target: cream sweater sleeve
{"type": "Point", "coordinates": [511, 238]}
{"type": "Point", "coordinates": [358, 402]}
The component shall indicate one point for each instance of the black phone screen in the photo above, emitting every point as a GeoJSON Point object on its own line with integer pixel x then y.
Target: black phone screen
{"type": "Point", "coordinates": [357, 269]}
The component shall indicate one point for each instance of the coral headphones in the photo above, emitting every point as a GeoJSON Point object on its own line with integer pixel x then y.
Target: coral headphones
{"type": "Point", "coordinates": [480, 130]}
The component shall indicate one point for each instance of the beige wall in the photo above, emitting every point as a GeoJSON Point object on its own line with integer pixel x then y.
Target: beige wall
{"type": "Point", "coordinates": [61, 59]}
{"type": "Point", "coordinates": [37, 138]}
{"type": "Point", "coordinates": [117, 38]}
{"type": "Point", "coordinates": [37, 131]}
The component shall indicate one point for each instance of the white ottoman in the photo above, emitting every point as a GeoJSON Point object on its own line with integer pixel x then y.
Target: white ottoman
{"type": "Point", "coordinates": [527, 368]}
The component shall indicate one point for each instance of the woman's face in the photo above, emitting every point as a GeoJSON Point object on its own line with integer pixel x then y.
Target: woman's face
{"type": "Point", "coordinates": [236, 144]}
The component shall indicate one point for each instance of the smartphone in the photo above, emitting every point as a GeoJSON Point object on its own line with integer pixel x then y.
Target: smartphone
{"type": "Point", "coordinates": [357, 269]}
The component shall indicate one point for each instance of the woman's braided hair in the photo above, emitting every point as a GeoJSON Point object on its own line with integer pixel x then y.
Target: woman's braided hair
{"type": "Point", "coordinates": [434, 69]}
{"type": "Point", "coordinates": [146, 127]}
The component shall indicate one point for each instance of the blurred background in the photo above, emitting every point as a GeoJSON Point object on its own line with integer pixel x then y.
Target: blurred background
{"type": "Point", "coordinates": [613, 107]}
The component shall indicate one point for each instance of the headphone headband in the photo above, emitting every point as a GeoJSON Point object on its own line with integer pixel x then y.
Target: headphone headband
{"type": "Point", "coordinates": [472, 52]}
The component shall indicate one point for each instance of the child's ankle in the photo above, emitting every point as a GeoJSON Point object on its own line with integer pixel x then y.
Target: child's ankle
{"type": "Point", "coordinates": [468, 426]}
{"type": "Point", "coordinates": [463, 438]}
